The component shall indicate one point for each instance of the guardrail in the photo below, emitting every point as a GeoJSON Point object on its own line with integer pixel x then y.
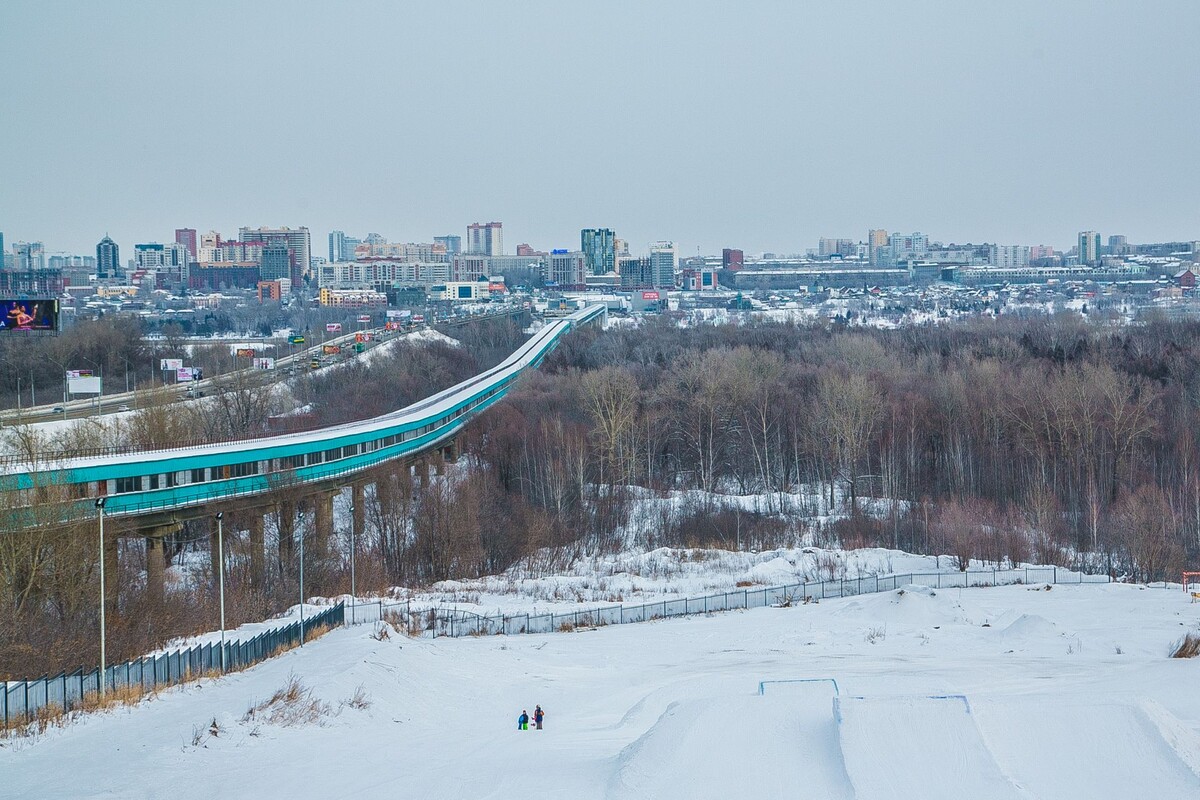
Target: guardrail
{"type": "Point", "coordinates": [22, 701]}
{"type": "Point", "coordinates": [455, 622]}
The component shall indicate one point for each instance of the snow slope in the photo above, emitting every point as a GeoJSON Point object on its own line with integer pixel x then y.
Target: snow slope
{"type": "Point", "coordinates": [1088, 705]}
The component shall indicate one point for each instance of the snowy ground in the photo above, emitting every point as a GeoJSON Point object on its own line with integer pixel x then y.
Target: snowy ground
{"type": "Point", "coordinates": [1011, 692]}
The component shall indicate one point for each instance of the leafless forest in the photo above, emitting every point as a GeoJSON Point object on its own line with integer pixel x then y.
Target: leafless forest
{"type": "Point", "coordinates": [1048, 440]}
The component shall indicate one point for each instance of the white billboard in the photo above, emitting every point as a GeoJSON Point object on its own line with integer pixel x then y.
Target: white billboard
{"type": "Point", "coordinates": [264, 363]}
{"type": "Point", "coordinates": [83, 385]}
{"type": "Point", "coordinates": [170, 364]}
{"type": "Point", "coordinates": [333, 327]}
{"type": "Point", "coordinates": [185, 374]}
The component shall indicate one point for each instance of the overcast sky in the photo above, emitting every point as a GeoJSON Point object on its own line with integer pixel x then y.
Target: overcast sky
{"type": "Point", "coordinates": [760, 125]}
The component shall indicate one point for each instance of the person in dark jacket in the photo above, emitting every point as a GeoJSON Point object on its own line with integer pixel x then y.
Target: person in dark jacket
{"type": "Point", "coordinates": [538, 714]}
{"type": "Point", "coordinates": [523, 721]}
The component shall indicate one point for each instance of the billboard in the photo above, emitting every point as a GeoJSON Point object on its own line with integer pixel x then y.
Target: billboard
{"type": "Point", "coordinates": [171, 364]}
{"type": "Point", "coordinates": [78, 373]}
{"type": "Point", "coordinates": [362, 337]}
{"type": "Point", "coordinates": [185, 374]}
{"type": "Point", "coordinates": [649, 295]}
{"type": "Point", "coordinates": [295, 340]}
{"type": "Point", "coordinates": [331, 349]}
{"type": "Point", "coordinates": [83, 385]}
{"type": "Point", "coordinates": [364, 317]}
{"type": "Point", "coordinates": [264, 363]}
{"type": "Point", "coordinates": [36, 314]}
{"type": "Point", "coordinates": [333, 327]}
{"type": "Point", "coordinates": [245, 352]}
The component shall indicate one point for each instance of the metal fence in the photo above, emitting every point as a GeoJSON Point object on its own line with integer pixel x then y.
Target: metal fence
{"type": "Point", "coordinates": [455, 622]}
{"type": "Point", "coordinates": [20, 701]}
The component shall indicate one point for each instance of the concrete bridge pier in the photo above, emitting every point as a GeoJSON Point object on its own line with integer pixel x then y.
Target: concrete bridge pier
{"type": "Point", "coordinates": [156, 558]}
{"type": "Point", "coordinates": [322, 523]}
{"type": "Point", "coordinates": [111, 576]}
{"type": "Point", "coordinates": [358, 501]}
{"type": "Point", "coordinates": [285, 515]}
{"type": "Point", "coordinates": [258, 566]}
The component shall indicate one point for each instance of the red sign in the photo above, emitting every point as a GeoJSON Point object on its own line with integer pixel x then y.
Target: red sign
{"type": "Point", "coordinates": [245, 352]}
{"type": "Point", "coordinates": [364, 318]}
{"type": "Point", "coordinates": [649, 295]}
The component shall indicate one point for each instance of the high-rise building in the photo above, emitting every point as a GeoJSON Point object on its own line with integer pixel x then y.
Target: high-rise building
{"type": "Point", "coordinates": [1008, 256]}
{"type": "Point", "coordinates": [108, 259]}
{"type": "Point", "coordinates": [599, 249]}
{"type": "Point", "coordinates": [341, 247]}
{"type": "Point", "coordinates": [276, 262]}
{"type": "Point", "coordinates": [903, 247]}
{"type": "Point", "coordinates": [1089, 247]}
{"type": "Point", "coordinates": [452, 243]}
{"type": "Point", "coordinates": [2, 257]}
{"type": "Point", "coordinates": [566, 268]}
{"type": "Point", "coordinates": [662, 264]}
{"type": "Point", "coordinates": [877, 246]}
{"type": "Point", "coordinates": [732, 259]}
{"type": "Point", "coordinates": [635, 273]}
{"type": "Point", "coordinates": [187, 238]}
{"type": "Point", "coordinates": [336, 238]}
{"type": "Point", "coordinates": [28, 256]}
{"type": "Point", "coordinates": [297, 240]}
{"type": "Point", "coordinates": [486, 239]}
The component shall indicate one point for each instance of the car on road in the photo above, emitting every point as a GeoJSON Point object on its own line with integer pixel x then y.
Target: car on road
{"type": "Point", "coordinates": [58, 410]}
{"type": "Point", "coordinates": [122, 407]}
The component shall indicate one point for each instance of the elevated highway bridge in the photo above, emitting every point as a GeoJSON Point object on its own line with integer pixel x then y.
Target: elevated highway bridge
{"type": "Point", "coordinates": [155, 491]}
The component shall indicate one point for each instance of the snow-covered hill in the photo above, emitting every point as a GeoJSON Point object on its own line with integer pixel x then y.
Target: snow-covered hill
{"type": "Point", "coordinates": [1017, 691]}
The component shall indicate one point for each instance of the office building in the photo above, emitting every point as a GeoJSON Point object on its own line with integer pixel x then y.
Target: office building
{"type": "Point", "coordinates": [566, 269]}
{"type": "Point", "coordinates": [598, 246]}
{"type": "Point", "coordinates": [28, 256]}
{"type": "Point", "coordinates": [636, 273]}
{"type": "Point", "coordinates": [1089, 247]}
{"type": "Point", "coordinates": [297, 240]}
{"type": "Point", "coordinates": [486, 239]}
{"type": "Point", "coordinates": [275, 263]}
{"type": "Point", "coordinates": [877, 247]}
{"type": "Point", "coordinates": [452, 243]}
{"type": "Point", "coordinates": [662, 264]}
{"type": "Point", "coordinates": [187, 238]}
{"type": "Point", "coordinates": [108, 260]}
{"type": "Point", "coordinates": [342, 247]}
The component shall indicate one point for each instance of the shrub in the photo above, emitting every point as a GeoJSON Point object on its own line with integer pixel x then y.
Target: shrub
{"type": "Point", "coordinates": [1188, 646]}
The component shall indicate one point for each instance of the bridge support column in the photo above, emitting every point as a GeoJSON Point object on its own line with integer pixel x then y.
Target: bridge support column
{"type": "Point", "coordinates": [322, 523]}
{"type": "Point", "coordinates": [450, 451]}
{"type": "Point", "coordinates": [112, 582]}
{"type": "Point", "coordinates": [156, 563]}
{"type": "Point", "coordinates": [358, 499]}
{"type": "Point", "coordinates": [286, 517]}
{"type": "Point", "coordinates": [258, 567]}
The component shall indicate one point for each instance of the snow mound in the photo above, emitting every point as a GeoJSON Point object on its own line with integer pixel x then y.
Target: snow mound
{"type": "Point", "coordinates": [910, 606]}
{"type": "Point", "coordinates": [1030, 627]}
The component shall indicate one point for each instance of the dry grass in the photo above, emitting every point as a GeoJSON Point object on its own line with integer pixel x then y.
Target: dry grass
{"type": "Point", "coordinates": [55, 716]}
{"type": "Point", "coordinates": [1188, 646]}
{"type": "Point", "coordinates": [358, 700]}
{"type": "Point", "coordinates": [291, 705]}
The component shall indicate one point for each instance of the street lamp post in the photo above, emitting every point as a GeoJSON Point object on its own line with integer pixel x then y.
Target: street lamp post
{"type": "Point", "coordinates": [302, 587]}
{"type": "Point", "coordinates": [103, 633]}
{"type": "Point", "coordinates": [221, 579]}
{"type": "Point", "coordinates": [353, 592]}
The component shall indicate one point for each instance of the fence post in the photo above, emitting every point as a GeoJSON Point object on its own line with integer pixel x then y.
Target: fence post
{"type": "Point", "coordinates": [1056, 575]}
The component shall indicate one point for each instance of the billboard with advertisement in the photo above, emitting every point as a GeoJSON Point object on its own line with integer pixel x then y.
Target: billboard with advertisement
{"type": "Point", "coordinates": [333, 327]}
{"type": "Point", "coordinates": [650, 295]}
{"type": "Point", "coordinates": [186, 374]}
{"type": "Point", "coordinates": [245, 352]}
{"type": "Point", "coordinates": [28, 314]}
{"type": "Point", "coordinates": [78, 373]}
{"type": "Point", "coordinates": [364, 317]}
{"type": "Point", "coordinates": [362, 337]}
{"type": "Point", "coordinates": [171, 364]}
{"type": "Point", "coordinates": [331, 349]}
{"type": "Point", "coordinates": [264, 363]}
{"type": "Point", "coordinates": [295, 340]}
{"type": "Point", "coordinates": [83, 385]}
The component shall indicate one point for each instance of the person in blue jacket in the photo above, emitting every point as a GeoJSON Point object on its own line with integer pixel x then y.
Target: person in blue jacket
{"type": "Point", "coordinates": [523, 721]}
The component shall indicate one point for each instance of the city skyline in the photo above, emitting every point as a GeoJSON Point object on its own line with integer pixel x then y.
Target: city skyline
{"type": "Point", "coordinates": [757, 126]}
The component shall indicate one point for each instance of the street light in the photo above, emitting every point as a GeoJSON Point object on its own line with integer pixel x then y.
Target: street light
{"type": "Point", "coordinates": [221, 572]}
{"type": "Point", "coordinates": [103, 665]}
{"type": "Point", "coordinates": [100, 374]}
{"type": "Point", "coordinates": [353, 593]}
{"type": "Point", "coordinates": [302, 587]}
